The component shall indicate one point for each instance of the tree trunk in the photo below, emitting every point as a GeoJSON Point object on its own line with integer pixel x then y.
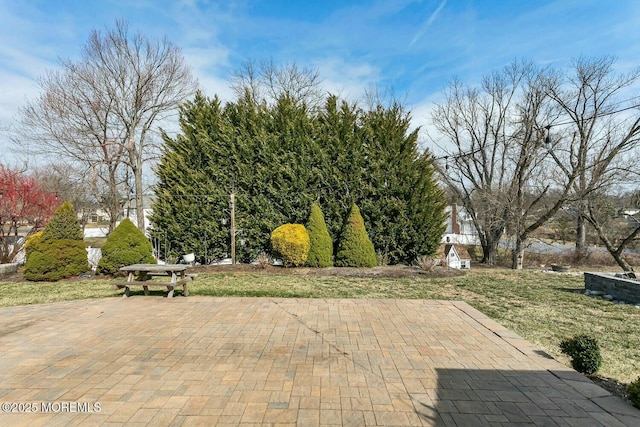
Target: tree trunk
{"type": "Point", "coordinates": [490, 247]}
{"type": "Point", "coordinates": [517, 254]}
{"type": "Point", "coordinates": [616, 253]}
{"type": "Point", "coordinates": [135, 162]}
{"type": "Point", "coordinates": [581, 237]}
{"type": "Point", "coordinates": [137, 173]}
{"type": "Point", "coordinates": [114, 200]}
{"type": "Point", "coordinates": [621, 261]}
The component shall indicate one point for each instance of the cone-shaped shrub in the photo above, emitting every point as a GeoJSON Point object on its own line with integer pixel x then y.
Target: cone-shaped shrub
{"type": "Point", "coordinates": [355, 248]}
{"type": "Point", "coordinates": [321, 245]}
{"type": "Point", "coordinates": [59, 252]}
{"type": "Point", "coordinates": [64, 225]}
{"type": "Point", "coordinates": [291, 242]}
{"type": "Point", "coordinates": [125, 245]}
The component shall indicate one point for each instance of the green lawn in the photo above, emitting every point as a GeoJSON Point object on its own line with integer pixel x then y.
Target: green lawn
{"type": "Point", "coordinates": [541, 307]}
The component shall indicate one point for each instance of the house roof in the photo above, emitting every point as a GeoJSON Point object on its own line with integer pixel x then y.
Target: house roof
{"type": "Point", "coordinates": [461, 252]}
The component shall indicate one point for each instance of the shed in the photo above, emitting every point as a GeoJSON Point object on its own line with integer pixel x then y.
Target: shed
{"type": "Point", "coordinates": [453, 259]}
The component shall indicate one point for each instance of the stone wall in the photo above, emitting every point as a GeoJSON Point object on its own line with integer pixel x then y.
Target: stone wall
{"type": "Point", "coordinates": [8, 268]}
{"type": "Point", "coordinates": [620, 289]}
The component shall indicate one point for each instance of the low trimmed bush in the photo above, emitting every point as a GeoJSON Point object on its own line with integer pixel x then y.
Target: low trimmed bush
{"type": "Point", "coordinates": [125, 245]}
{"type": "Point", "coordinates": [52, 260]}
{"type": "Point", "coordinates": [291, 242]}
{"type": "Point", "coordinates": [634, 392]}
{"type": "Point", "coordinates": [584, 352]}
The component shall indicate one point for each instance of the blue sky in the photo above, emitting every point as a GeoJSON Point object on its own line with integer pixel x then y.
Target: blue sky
{"type": "Point", "coordinates": [412, 47]}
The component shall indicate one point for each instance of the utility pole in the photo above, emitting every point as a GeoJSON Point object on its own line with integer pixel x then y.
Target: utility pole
{"type": "Point", "coordinates": [232, 206]}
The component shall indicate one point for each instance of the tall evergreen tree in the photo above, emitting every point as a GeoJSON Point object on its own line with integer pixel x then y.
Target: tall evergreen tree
{"type": "Point", "coordinates": [192, 194]}
{"type": "Point", "coordinates": [402, 202]}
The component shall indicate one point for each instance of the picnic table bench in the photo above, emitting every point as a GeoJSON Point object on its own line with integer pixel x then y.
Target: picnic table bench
{"type": "Point", "coordinates": [141, 275]}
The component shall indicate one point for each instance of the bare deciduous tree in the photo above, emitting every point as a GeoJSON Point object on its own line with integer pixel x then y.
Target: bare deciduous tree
{"type": "Point", "coordinates": [267, 82]}
{"type": "Point", "coordinates": [589, 97]}
{"type": "Point", "coordinates": [616, 229]}
{"type": "Point", "coordinates": [101, 111]}
{"type": "Point", "coordinates": [496, 161]}
{"type": "Point", "coordinates": [70, 184]}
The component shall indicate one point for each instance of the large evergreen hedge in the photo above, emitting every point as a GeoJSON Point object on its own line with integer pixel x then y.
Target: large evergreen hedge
{"type": "Point", "coordinates": [321, 250]}
{"type": "Point", "coordinates": [59, 252]}
{"type": "Point", "coordinates": [125, 245]}
{"type": "Point", "coordinates": [278, 159]}
{"type": "Point", "coordinates": [355, 248]}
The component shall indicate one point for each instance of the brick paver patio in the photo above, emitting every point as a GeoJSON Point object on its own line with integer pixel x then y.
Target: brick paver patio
{"type": "Point", "coordinates": [265, 361]}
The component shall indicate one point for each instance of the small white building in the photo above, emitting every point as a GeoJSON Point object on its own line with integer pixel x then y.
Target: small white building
{"type": "Point", "coordinates": [452, 258]}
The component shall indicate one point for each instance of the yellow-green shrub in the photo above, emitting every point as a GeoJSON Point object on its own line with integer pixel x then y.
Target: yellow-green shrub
{"type": "Point", "coordinates": [291, 242]}
{"type": "Point", "coordinates": [31, 242]}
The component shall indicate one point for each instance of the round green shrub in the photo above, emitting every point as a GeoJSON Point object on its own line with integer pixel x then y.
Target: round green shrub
{"type": "Point", "coordinates": [634, 392]}
{"type": "Point", "coordinates": [125, 245]}
{"type": "Point", "coordinates": [355, 248]}
{"type": "Point", "coordinates": [321, 248]}
{"type": "Point", "coordinates": [584, 353]}
{"type": "Point", "coordinates": [59, 251]}
{"type": "Point", "coordinates": [52, 260]}
{"type": "Point", "coordinates": [291, 242]}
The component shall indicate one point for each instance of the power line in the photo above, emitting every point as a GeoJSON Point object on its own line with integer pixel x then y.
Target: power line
{"type": "Point", "coordinates": [602, 114]}
{"type": "Point", "coordinates": [607, 113]}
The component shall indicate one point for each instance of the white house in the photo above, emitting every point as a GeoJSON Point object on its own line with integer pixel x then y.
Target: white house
{"type": "Point", "coordinates": [130, 211]}
{"type": "Point", "coordinates": [460, 229]}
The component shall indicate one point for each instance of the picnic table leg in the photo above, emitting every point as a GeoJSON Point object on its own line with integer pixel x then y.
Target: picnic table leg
{"type": "Point", "coordinates": [146, 289]}
{"type": "Point", "coordinates": [126, 292]}
{"type": "Point", "coordinates": [171, 288]}
{"type": "Point", "coordinates": [185, 291]}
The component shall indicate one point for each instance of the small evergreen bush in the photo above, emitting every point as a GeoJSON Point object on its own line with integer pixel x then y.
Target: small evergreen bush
{"type": "Point", "coordinates": [52, 260]}
{"type": "Point", "coordinates": [291, 242]}
{"type": "Point", "coordinates": [58, 252]}
{"type": "Point", "coordinates": [125, 245]}
{"type": "Point", "coordinates": [64, 225]}
{"type": "Point", "coordinates": [355, 248]}
{"type": "Point", "coordinates": [634, 392]}
{"type": "Point", "coordinates": [584, 353]}
{"type": "Point", "coordinates": [32, 242]}
{"type": "Point", "coordinates": [321, 248]}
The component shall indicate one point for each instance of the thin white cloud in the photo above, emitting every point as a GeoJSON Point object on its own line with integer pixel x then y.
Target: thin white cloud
{"type": "Point", "coordinates": [427, 23]}
{"type": "Point", "coordinates": [345, 79]}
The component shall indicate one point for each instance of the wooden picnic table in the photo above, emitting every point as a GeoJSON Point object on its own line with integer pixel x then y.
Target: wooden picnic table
{"type": "Point", "coordinates": [141, 275]}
